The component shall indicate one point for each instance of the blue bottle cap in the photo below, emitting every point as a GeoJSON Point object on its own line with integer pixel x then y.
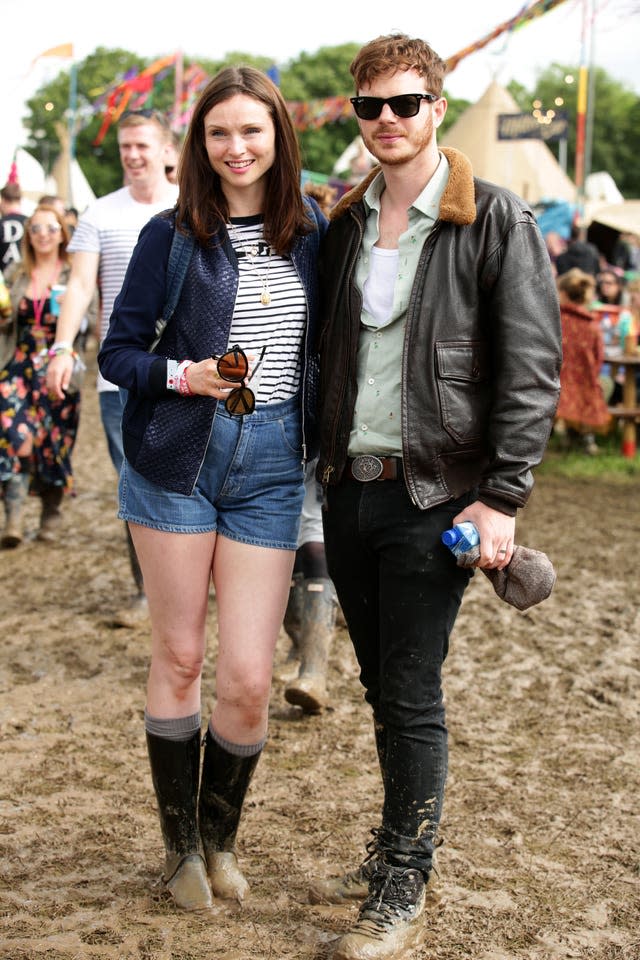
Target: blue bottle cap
{"type": "Point", "coordinates": [450, 537]}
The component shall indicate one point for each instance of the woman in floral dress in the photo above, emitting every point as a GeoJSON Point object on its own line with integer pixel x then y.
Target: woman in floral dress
{"type": "Point", "coordinates": [37, 432]}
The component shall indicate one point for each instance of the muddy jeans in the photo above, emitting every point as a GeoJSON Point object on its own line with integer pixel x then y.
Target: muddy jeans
{"type": "Point", "coordinates": [400, 590]}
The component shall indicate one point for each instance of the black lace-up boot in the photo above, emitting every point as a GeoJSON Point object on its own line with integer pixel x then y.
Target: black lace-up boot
{"type": "Point", "coordinates": [353, 885]}
{"type": "Point", "coordinates": [388, 924]}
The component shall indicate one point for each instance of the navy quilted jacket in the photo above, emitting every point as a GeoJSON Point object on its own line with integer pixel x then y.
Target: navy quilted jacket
{"type": "Point", "coordinates": [165, 435]}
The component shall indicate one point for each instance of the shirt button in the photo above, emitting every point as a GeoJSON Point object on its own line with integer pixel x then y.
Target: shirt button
{"type": "Point", "coordinates": [364, 428]}
{"type": "Point", "coordinates": [370, 380]}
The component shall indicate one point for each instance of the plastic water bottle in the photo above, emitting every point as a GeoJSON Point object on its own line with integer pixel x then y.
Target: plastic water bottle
{"type": "Point", "coordinates": [625, 329]}
{"type": "Point", "coordinates": [463, 538]}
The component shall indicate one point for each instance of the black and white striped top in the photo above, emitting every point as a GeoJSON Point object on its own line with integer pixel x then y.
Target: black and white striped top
{"type": "Point", "coordinates": [279, 326]}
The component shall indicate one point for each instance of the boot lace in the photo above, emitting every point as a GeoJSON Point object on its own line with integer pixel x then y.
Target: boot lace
{"type": "Point", "coordinates": [393, 898]}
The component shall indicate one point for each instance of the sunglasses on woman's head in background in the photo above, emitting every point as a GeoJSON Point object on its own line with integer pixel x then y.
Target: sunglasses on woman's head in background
{"type": "Point", "coordinates": [44, 228]}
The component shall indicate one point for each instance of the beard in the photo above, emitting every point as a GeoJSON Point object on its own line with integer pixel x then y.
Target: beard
{"type": "Point", "coordinates": [414, 141]}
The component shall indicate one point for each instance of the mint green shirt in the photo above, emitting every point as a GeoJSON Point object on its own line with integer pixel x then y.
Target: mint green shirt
{"type": "Point", "coordinates": [376, 426]}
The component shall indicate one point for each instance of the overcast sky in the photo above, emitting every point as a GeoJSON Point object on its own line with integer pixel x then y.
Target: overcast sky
{"type": "Point", "coordinates": [282, 30]}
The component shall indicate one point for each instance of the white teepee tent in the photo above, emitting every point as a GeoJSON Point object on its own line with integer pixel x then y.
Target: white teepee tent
{"type": "Point", "coordinates": [528, 167]}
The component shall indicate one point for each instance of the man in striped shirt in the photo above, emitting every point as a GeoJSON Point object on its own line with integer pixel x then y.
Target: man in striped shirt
{"type": "Point", "coordinates": [102, 245]}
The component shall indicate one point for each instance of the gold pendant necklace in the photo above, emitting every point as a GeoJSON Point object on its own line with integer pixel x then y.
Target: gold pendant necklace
{"type": "Point", "coordinates": [251, 252]}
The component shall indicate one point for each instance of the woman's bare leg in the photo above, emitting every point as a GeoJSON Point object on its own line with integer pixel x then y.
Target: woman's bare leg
{"type": "Point", "coordinates": [252, 587]}
{"type": "Point", "coordinates": [177, 573]}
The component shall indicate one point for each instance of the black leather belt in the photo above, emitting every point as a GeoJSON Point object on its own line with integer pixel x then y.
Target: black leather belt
{"type": "Point", "coordinates": [368, 467]}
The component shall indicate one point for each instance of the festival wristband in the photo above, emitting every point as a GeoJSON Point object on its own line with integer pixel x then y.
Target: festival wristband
{"type": "Point", "coordinates": [177, 377]}
{"type": "Point", "coordinates": [61, 346]}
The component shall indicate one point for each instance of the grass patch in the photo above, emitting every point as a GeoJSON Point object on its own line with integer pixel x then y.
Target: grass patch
{"type": "Point", "coordinates": [574, 463]}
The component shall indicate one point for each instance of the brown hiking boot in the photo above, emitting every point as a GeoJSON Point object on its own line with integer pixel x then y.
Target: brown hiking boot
{"type": "Point", "coordinates": [388, 924]}
{"type": "Point", "coordinates": [354, 885]}
{"type": "Point", "coordinates": [350, 886]}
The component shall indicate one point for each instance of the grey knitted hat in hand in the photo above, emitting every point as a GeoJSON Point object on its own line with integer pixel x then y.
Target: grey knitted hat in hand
{"type": "Point", "coordinates": [526, 580]}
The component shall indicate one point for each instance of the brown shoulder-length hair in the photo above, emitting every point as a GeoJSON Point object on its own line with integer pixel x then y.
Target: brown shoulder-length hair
{"type": "Point", "coordinates": [202, 205]}
{"type": "Point", "coordinates": [397, 51]}
{"type": "Point", "coordinates": [28, 261]}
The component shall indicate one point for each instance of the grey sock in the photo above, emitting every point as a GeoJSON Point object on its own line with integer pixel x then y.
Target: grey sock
{"type": "Point", "coordinates": [237, 749]}
{"type": "Point", "coordinates": [180, 728]}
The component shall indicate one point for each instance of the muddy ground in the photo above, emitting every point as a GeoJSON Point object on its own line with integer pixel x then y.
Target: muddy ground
{"type": "Point", "coordinates": [541, 831]}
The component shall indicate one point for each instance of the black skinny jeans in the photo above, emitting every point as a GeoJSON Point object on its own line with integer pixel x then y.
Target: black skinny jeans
{"type": "Point", "coordinates": [400, 590]}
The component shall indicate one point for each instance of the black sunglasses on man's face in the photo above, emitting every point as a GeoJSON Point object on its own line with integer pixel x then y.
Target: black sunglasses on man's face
{"type": "Point", "coordinates": [403, 105]}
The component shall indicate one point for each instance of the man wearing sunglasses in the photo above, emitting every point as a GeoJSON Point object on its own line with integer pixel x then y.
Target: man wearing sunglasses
{"type": "Point", "coordinates": [439, 356]}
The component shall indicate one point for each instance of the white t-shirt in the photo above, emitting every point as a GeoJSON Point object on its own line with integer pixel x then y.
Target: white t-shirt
{"type": "Point", "coordinates": [110, 227]}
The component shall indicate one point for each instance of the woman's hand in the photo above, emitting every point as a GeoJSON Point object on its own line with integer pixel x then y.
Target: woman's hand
{"type": "Point", "coordinates": [59, 370]}
{"type": "Point", "coordinates": [203, 379]}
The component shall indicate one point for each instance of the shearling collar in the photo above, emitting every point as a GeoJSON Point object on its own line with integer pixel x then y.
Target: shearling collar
{"type": "Point", "coordinates": [458, 200]}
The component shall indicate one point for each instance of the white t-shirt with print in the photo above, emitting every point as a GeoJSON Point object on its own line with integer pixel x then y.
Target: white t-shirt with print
{"type": "Point", "coordinates": [110, 227]}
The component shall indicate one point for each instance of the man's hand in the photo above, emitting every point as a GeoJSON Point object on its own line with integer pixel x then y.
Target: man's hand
{"type": "Point", "coordinates": [496, 531]}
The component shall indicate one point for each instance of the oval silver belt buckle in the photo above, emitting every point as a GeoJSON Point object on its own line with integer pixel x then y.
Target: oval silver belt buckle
{"type": "Point", "coordinates": [367, 467]}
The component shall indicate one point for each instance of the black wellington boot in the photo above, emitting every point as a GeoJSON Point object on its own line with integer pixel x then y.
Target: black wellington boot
{"type": "Point", "coordinates": [224, 784]}
{"type": "Point", "coordinates": [175, 766]}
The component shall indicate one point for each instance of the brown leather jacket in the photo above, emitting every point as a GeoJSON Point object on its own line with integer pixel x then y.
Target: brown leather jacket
{"type": "Point", "coordinates": [482, 353]}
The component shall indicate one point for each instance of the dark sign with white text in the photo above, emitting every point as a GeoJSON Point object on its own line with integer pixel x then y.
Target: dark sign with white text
{"type": "Point", "coordinates": [524, 126]}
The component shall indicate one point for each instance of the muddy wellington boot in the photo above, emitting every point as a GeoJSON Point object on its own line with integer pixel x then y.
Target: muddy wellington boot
{"type": "Point", "coordinates": [16, 489]}
{"type": "Point", "coordinates": [291, 623]}
{"type": "Point", "coordinates": [223, 787]}
{"type": "Point", "coordinates": [50, 516]}
{"type": "Point", "coordinates": [175, 766]}
{"type": "Point", "coordinates": [309, 689]}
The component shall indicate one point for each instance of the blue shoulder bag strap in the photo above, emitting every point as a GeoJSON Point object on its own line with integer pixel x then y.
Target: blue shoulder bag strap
{"type": "Point", "coordinates": [180, 254]}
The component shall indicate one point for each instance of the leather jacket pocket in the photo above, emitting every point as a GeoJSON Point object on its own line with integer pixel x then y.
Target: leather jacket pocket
{"type": "Point", "coordinates": [462, 375]}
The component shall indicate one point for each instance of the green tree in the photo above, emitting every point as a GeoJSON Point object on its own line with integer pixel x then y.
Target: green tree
{"type": "Point", "coordinates": [316, 76]}
{"type": "Point", "coordinates": [455, 108]}
{"type": "Point", "coordinates": [616, 127]}
{"type": "Point", "coordinates": [50, 105]}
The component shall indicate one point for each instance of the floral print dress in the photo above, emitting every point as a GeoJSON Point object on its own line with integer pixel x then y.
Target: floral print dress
{"type": "Point", "coordinates": [25, 405]}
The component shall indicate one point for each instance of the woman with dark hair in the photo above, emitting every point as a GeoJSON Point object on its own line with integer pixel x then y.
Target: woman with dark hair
{"type": "Point", "coordinates": [38, 432]}
{"type": "Point", "coordinates": [212, 483]}
{"type": "Point", "coordinates": [610, 289]}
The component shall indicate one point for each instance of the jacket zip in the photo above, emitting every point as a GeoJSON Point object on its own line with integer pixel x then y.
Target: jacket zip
{"type": "Point", "coordinates": [413, 299]}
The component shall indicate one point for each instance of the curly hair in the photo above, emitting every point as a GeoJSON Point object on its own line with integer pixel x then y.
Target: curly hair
{"type": "Point", "coordinates": [397, 51]}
